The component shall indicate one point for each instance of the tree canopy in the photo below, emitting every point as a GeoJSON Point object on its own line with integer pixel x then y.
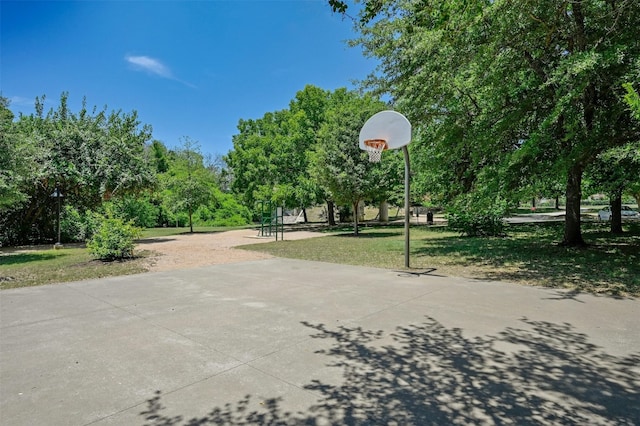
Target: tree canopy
{"type": "Point", "coordinates": [89, 156]}
{"type": "Point", "coordinates": [101, 162]}
{"type": "Point", "coordinates": [338, 164]}
{"type": "Point", "coordinates": [503, 92]}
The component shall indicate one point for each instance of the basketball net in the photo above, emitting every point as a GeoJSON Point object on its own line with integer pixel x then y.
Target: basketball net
{"type": "Point", "coordinates": [374, 148]}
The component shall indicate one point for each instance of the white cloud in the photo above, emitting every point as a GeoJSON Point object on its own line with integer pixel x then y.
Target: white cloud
{"type": "Point", "coordinates": [154, 66]}
{"type": "Point", "coordinates": [151, 65]}
{"type": "Point", "coordinates": [22, 101]}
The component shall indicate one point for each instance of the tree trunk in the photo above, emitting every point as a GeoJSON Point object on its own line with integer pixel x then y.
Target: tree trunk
{"type": "Point", "coordinates": [616, 213]}
{"type": "Point", "coordinates": [331, 217]}
{"type": "Point", "coordinates": [637, 198]}
{"type": "Point", "coordinates": [557, 202]}
{"type": "Point", "coordinates": [190, 221]}
{"type": "Point", "coordinates": [355, 218]}
{"type": "Point", "coordinates": [304, 214]}
{"type": "Point", "coordinates": [383, 216]}
{"type": "Point", "coordinates": [572, 232]}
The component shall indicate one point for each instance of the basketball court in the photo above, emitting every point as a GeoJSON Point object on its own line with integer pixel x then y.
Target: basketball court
{"type": "Point", "coordinates": [280, 341]}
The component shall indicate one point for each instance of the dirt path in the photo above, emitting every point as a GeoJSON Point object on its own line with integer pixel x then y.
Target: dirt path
{"type": "Point", "coordinates": [193, 250]}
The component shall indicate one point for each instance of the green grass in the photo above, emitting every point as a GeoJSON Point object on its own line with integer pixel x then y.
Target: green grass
{"type": "Point", "coordinates": [530, 255]}
{"type": "Point", "coordinates": [37, 267]}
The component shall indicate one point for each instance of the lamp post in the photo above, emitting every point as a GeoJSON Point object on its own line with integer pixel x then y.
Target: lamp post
{"type": "Point", "coordinates": [58, 195]}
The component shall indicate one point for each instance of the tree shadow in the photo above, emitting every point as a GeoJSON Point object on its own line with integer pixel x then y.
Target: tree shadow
{"type": "Point", "coordinates": [542, 373]}
{"type": "Point", "coordinates": [364, 235]}
{"type": "Point", "coordinates": [230, 414]}
{"type": "Point", "coordinates": [608, 264]}
{"type": "Point", "coordinates": [20, 258]}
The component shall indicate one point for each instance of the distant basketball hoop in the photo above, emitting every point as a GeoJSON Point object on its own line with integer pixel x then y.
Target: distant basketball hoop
{"type": "Point", "coordinates": [374, 148]}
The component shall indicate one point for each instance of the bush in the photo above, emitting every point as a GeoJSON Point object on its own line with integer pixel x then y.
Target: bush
{"type": "Point", "coordinates": [140, 210]}
{"type": "Point", "coordinates": [202, 215]}
{"type": "Point", "coordinates": [114, 239]}
{"type": "Point", "coordinates": [233, 220]}
{"type": "Point", "coordinates": [71, 225]}
{"type": "Point", "coordinates": [76, 226]}
{"type": "Point", "coordinates": [488, 223]}
{"type": "Point", "coordinates": [223, 210]}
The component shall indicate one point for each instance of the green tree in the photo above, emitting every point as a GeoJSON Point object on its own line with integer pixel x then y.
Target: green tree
{"type": "Point", "coordinates": [269, 160]}
{"type": "Point", "coordinates": [158, 156]}
{"type": "Point", "coordinates": [632, 98]}
{"type": "Point", "coordinates": [614, 172]}
{"type": "Point", "coordinates": [310, 106]}
{"type": "Point", "coordinates": [338, 164]}
{"type": "Point", "coordinates": [253, 173]}
{"type": "Point", "coordinates": [217, 165]}
{"type": "Point", "coordinates": [505, 90]}
{"type": "Point", "coordinates": [90, 156]}
{"type": "Point", "coordinates": [187, 184]}
{"type": "Point", "coordinates": [17, 161]}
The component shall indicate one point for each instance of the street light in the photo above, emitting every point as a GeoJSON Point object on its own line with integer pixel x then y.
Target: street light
{"type": "Point", "coordinates": [57, 194]}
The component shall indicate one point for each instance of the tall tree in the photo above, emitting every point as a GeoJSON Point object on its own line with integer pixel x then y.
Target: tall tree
{"type": "Point", "coordinates": [510, 89]}
{"type": "Point", "coordinates": [613, 172]}
{"type": "Point", "coordinates": [188, 184]}
{"type": "Point", "coordinates": [632, 98]}
{"type": "Point", "coordinates": [313, 102]}
{"type": "Point", "coordinates": [158, 156]}
{"type": "Point", "coordinates": [17, 161]}
{"type": "Point", "coordinates": [89, 156]}
{"type": "Point", "coordinates": [269, 159]}
{"type": "Point", "coordinates": [338, 163]}
{"type": "Point", "coordinates": [251, 162]}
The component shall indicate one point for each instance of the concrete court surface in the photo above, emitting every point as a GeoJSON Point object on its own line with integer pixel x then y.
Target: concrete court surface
{"type": "Point", "coordinates": [296, 342]}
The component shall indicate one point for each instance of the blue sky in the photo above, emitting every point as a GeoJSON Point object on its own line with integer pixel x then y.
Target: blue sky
{"type": "Point", "coordinates": [189, 68]}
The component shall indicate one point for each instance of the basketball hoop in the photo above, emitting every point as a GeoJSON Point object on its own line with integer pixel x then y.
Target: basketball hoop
{"type": "Point", "coordinates": [389, 130]}
{"type": "Point", "coordinates": [374, 148]}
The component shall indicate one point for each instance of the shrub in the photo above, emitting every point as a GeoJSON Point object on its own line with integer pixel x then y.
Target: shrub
{"type": "Point", "coordinates": [223, 210]}
{"type": "Point", "coordinates": [71, 225]}
{"type": "Point", "coordinates": [486, 223]}
{"type": "Point", "coordinates": [140, 210]}
{"type": "Point", "coordinates": [76, 226]}
{"type": "Point", "coordinates": [114, 239]}
{"type": "Point", "coordinates": [233, 220]}
{"type": "Point", "coordinates": [202, 215]}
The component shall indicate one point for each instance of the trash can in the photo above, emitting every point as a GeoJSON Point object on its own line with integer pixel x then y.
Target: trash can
{"type": "Point", "coordinates": [429, 217]}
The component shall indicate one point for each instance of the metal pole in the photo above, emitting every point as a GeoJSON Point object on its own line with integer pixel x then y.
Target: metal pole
{"type": "Point", "coordinates": [405, 151]}
{"type": "Point", "coordinates": [58, 219]}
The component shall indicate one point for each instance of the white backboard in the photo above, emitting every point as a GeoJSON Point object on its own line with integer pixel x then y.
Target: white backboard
{"type": "Point", "coordinates": [391, 126]}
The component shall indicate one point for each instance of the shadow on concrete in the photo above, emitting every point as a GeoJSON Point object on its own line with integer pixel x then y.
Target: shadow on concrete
{"type": "Point", "coordinates": [427, 374]}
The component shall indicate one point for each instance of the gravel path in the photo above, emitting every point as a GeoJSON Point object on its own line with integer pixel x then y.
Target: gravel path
{"type": "Point", "coordinates": [193, 250]}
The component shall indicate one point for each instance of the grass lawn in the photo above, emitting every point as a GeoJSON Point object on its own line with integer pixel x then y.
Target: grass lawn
{"type": "Point", "coordinates": [529, 255]}
{"type": "Point", "coordinates": [37, 267]}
